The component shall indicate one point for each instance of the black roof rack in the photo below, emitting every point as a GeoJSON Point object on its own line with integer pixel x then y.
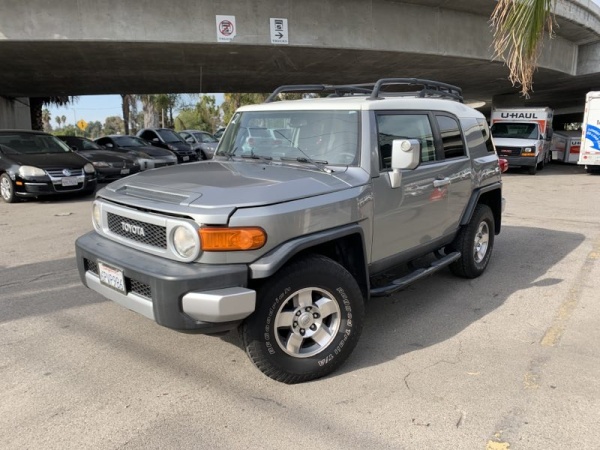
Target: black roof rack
{"type": "Point", "coordinates": [429, 89]}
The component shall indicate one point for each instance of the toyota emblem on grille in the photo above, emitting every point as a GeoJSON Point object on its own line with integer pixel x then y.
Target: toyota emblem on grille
{"type": "Point", "coordinates": [133, 229]}
{"type": "Point", "coordinates": [66, 172]}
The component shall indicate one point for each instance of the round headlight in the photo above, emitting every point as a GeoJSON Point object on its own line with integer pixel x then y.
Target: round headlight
{"type": "Point", "coordinates": [96, 215]}
{"type": "Point", "coordinates": [185, 241]}
{"type": "Point", "coordinates": [89, 168]}
{"type": "Point", "coordinates": [30, 171]}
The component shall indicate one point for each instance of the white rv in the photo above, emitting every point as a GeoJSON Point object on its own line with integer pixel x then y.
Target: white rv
{"type": "Point", "coordinates": [522, 136]}
{"type": "Point", "coordinates": [589, 156]}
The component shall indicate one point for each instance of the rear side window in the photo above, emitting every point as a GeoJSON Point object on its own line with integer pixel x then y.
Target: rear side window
{"type": "Point", "coordinates": [452, 141]}
{"type": "Point", "coordinates": [404, 126]}
{"type": "Point", "coordinates": [487, 136]}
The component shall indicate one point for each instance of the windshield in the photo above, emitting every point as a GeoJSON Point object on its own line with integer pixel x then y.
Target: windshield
{"type": "Point", "coordinates": [205, 137]}
{"type": "Point", "coordinates": [31, 143]}
{"type": "Point", "coordinates": [130, 141]}
{"type": "Point", "coordinates": [169, 136]}
{"type": "Point", "coordinates": [329, 137]}
{"type": "Point", "coordinates": [515, 130]}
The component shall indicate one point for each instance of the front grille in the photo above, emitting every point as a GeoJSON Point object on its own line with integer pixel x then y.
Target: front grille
{"type": "Point", "coordinates": [131, 284]}
{"type": "Point", "coordinates": [58, 173]}
{"type": "Point", "coordinates": [90, 266]}
{"type": "Point", "coordinates": [509, 151]}
{"type": "Point", "coordinates": [139, 288]}
{"type": "Point", "coordinates": [135, 230]}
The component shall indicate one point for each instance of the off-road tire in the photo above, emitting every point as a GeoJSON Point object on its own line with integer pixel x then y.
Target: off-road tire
{"type": "Point", "coordinates": [7, 189]}
{"type": "Point", "coordinates": [310, 297]}
{"type": "Point", "coordinates": [475, 242]}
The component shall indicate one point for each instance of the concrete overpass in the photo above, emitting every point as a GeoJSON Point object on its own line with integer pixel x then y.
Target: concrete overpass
{"type": "Point", "coordinates": [81, 47]}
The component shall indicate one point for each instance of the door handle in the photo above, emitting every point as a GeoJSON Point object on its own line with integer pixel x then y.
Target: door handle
{"type": "Point", "coordinates": [441, 182]}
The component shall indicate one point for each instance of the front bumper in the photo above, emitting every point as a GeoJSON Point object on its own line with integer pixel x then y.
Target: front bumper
{"type": "Point", "coordinates": [520, 161]}
{"type": "Point", "coordinates": [182, 296]}
{"type": "Point", "coordinates": [40, 187]}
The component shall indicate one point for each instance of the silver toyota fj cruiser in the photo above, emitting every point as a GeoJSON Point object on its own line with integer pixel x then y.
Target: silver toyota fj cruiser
{"type": "Point", "coordinates": [286, 233]}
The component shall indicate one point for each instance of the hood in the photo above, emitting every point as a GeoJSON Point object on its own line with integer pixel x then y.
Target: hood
{"type": "Point", "coordinates": [184, 146]}
{"type": "Point", "coordinates": [69, 160]}
{"type": "Point", "coordinates": [149, 150]}
{"type": "Point", "coordinates": [104, 155]}
{"type": "Point", "coordinates": [509, 142]}
{"type": "Point", "coordinates": [219, 187]}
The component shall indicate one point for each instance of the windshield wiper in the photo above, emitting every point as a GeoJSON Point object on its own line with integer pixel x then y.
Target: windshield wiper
{"type": "Point", "coordinates": [253, 155]}
{"type": "Point", "coordinates": [319, 164]}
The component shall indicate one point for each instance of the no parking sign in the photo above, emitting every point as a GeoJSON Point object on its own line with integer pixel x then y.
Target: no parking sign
{"type": "Point", "coordinates": [226, 28]}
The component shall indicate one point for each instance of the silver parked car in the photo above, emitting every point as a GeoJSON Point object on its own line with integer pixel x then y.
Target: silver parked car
{"type": "Point", "coordinates": [202, 142]}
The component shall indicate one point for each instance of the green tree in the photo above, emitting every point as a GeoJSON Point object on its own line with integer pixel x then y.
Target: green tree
{"type": "Point", "coordinates": [234, 101]}
{"type": "Point", "coordinates": [204, 116]}
{"type": "Point", "coordinates": [58, 120]}
{"type": "Point", "coordinates": [519, 30]}
{"type": "Point", "coordinates": [114, 125]}
{"type": "Point", "coordinates": [94, 129]}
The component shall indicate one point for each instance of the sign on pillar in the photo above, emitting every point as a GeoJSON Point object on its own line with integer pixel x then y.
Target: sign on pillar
{"type": "Point", "coordinates": [279, 31]}
{"type": "Point", "coordinates": [226, 28]}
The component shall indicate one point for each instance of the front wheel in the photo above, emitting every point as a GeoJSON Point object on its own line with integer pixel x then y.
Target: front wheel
{"type": "Point", "coordinates": [533, 169]}
{"type": "Point", "coordinates": [475, 243]}
{"type": "Point", "coordinates": [7, 188]}
{"type": "Point", "coordinates": [308, 320]}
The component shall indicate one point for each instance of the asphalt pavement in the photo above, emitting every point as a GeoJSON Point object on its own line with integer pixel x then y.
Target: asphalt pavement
{"type": "Point", "coordinates": [507, 361]}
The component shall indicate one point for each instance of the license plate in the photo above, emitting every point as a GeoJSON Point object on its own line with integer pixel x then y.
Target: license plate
{"type": "Point", "coordinates": [111, 277]}
{"type": "Point", "coordinates": [186, 158]}
{"type": "Point", "coordinates": [124, 171]}
{"type": "Point", "coordinates": [69, 181]}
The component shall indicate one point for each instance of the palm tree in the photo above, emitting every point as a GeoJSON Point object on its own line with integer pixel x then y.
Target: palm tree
{"type": "Point", "coordinates": [46, 118]}
{"type": "Point", "coordinates": [58, 120]}
{"type": "Point", "coordinates": [126, 100]}
{"type": "Point", "coordinates": [519, 30]}
{"type": "Point", "coordinates": [64, 120]}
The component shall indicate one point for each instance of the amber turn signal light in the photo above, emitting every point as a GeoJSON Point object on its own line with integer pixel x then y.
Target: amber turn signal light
{"type": "Point", "coordinates": [231, 239]}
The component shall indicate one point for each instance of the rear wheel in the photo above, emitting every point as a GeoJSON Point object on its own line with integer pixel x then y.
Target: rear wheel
{"type": "Point", "coordinates": [475, 243]}
{"type": "Point", "coordinates": [308, 320]}
{"type": "Point", "coordinates": [7, 189]}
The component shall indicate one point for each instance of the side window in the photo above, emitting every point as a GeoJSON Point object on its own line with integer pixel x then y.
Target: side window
{"type": "Point", "coordinates": [404, 126]}
{"type": "Point", "coordinates": [487, 136]}
{"type": "Point", "coordinates": [452, 141]}
{"type": "Point", "coordinates": [148, 135]}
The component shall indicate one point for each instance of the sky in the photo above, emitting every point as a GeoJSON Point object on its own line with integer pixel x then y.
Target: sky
{"type": "Point", "coordinates": [98, 107]}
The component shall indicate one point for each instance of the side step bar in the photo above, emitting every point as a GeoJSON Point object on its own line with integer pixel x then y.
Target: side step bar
{"type": "Point", "coordinates": [401, 283]}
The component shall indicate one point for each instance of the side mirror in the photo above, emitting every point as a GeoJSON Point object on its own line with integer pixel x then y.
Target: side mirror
{"type": "Point", "coordinates": [74, 148]}
{"type": "Point", "coordinates": [406, 155]}
{"type": "Point", "coordinates": [108, 145]}
{"type": "Point", "coordinates": [155, 140]}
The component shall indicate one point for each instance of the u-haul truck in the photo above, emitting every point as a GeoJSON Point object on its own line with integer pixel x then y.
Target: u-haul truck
{"type": "Point", "coordinates": [589, 156]}
{"type": "Point", "coordinates": [566, 145]}
{"type": "Point", "coordinates": [522, 136]}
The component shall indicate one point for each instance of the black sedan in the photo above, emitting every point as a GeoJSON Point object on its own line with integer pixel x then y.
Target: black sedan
{"type": "Point", "coordinates": [109, 165]}
{"type": "Point", "coordinates": [35, 164]}
{"type": "Point", "coordinates": [169, 139]}
{"type": "Point", "coordinates": [147, 156]}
